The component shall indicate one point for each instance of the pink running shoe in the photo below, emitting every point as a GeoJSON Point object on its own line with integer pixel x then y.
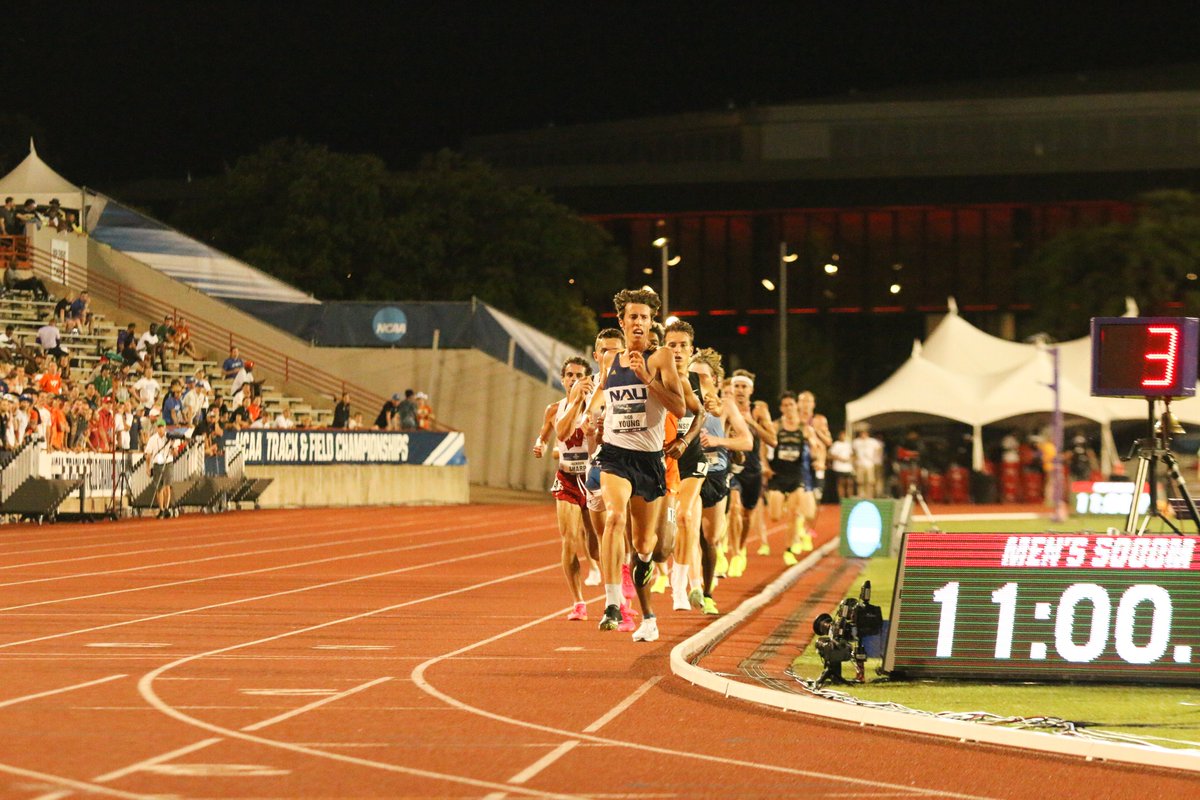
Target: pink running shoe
{"type": "Point", "coordinates": [628, 619]}
{"type": "Point", "coordinates": [579, 612]}
{"type": "Point", "coordinates": [627, 583]}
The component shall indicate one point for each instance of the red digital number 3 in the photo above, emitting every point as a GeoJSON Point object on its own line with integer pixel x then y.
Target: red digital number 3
{"type": "Point", "coordinates": [1163, 357]}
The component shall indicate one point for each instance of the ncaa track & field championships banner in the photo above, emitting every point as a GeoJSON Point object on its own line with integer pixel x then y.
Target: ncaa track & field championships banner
{"type": "Point", "coordinates": [285, 447]}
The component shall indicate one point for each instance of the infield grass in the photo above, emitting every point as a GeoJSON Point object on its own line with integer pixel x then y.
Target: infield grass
{"type": "Point", "coordinates": [1165, 715]}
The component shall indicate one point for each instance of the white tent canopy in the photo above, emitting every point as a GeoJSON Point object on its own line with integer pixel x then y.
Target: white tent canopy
{"type": "Point", "coordinates": [34, 178]}
{"type": "Point", "coordinates": [916, 392]}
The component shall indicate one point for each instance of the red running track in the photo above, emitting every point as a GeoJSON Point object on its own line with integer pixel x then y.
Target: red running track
{"type": "Point", "coordinates": [406, 652]}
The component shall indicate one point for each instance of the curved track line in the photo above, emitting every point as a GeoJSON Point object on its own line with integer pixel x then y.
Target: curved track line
{"type": "Point", "coordinates": [418, 678]}
{"type": "Point", "coordinates": [257, 539]}
{"type": "Point", "coordinates": [146, 689]}
{"type": "Point", "coordinates": [227, 603]}
{"type": "Point", "coordinates": [268, 551]}
{"type": "Point", "coordinates": [80, 786]}
{"type": "Point", "coordinates": [261, 570]}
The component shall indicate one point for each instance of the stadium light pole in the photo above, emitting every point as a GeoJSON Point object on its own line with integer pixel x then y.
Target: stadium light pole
{"type": "Point", "coordinates": [664, 250]}
{"type": "Point", "coordinates": [785, 258]}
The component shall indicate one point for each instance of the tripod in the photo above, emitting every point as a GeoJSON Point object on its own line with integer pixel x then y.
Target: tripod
{"type": "Point", "coordinates": [906, 505]}
{"type": "Point", "coordinates": [1154, 448]}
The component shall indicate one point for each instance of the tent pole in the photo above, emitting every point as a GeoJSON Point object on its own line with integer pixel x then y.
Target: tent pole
{"type": "Point", "coordinates": [977, 447]}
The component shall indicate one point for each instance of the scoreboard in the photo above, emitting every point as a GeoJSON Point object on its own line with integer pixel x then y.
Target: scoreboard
{"type": "Point", "coordinates": [1079, 607]}
{"type": "Point", "coordinates": [1144, 356]}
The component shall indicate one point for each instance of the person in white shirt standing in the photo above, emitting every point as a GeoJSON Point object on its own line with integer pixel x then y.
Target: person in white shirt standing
{"type": "Point", "coordinates": [841, 459]}
{"type": "Point", "coordinates": [867, 450]}
{"type": "Point", "coordinates": [147, 389]}
{"type": "Point", "coordinates": [158, 457]}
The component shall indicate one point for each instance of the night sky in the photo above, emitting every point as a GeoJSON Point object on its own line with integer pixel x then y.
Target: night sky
{"type": "Point", "coordinates": [163, 90]}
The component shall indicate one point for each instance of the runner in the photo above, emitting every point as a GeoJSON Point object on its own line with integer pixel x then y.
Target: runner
{"type": "Point", "coordinates": [638, 388]}
{"type": "Point", "coordinates": [564, 419]}
{"type": "Point", "coordinates": [817, 438]}
{"type": "Point", "coordinates": [746, 488]}
{"type": "Point", "coordinates": [686, 583]}
{"type": "Point", "coordinates": [714, 493]}
{"type": "Point", "coordinates": [790, 475]}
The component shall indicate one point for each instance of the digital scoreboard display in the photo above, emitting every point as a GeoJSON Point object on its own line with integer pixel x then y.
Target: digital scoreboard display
{"type": "Point", "coordinates": [1144, 356]}
{"type": "Point", "coordinates": [1073, 607]}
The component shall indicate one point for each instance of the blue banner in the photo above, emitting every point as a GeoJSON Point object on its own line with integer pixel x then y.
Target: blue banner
{"type": "Point", "coordinates": [288, 447]}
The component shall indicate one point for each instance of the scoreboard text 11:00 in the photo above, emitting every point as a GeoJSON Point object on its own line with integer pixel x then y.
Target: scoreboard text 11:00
{"type": "Point", "coordinates": [1047, 607]}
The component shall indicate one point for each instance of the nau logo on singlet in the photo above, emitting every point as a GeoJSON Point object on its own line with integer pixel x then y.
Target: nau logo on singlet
{"type": "Point", "coordinates": [627, 393]}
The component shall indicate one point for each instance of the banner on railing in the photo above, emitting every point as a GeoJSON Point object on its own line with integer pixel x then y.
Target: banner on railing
{"type": "Point", "coordinates": [99, 469]}
{"type": "Point", "coordinates": [349, 447]}
{"type": "Point", "coordinates": [60, 257]}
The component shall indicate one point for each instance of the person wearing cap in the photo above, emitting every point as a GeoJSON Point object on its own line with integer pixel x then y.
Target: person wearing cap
{"type": "Point", "coordinates": [244, 377]}
{"type": "Point", "coordinates": [389, 415]}
{"type": "Point", "coordinates": [28, 219]}
{"type": "Point", "coordinates": [21, 419]}
{"type": "Point", "coordinates": [54, 214]}
{"type": "Point", "coordinates": [158, 456]}
{"type": "Point", "coordinates": [425, 415]}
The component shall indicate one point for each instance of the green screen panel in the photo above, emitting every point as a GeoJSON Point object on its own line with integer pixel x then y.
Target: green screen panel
{"type": "Point", "coordinates": [866, 527]}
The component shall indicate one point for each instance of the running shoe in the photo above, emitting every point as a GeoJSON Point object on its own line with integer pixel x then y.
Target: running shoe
{"type": "Point", "coordinates": [764, 549]}
{"type": "Point", "coordinates": [647, 631]}
{"type": "Point", "coordinates": [696, 599]}
{"type": "Point", "coordinates": [737, 566]}
{"type": "Point", "coordinates": [611, 618]}
{"type": "Point", "coordinates": [710, 606]}
{"type": "Point", "coordinates": [579, 612]}
{"type": "Point", "coordinates": [722, 566]}
{"type": "Point", "coordinates": [789, 557]}
{"type": "Point", "coordinates": [628, 619]}
{"type": "Point", "coordinates": [679, 599]}
{"type": "Point", "coordinates": [642, 571]}
{"type": "Point", "coordinates": [593, 578]}
{"type": "Point", "coordinates": [660, 584]}
{"type": "Point", "coordinates": [806, 543]}
{"type": "Point", "coordinates": [627, 590]}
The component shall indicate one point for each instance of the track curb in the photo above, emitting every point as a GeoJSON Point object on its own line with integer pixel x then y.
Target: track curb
{"type": "Point", "coordinates": [964, 732]}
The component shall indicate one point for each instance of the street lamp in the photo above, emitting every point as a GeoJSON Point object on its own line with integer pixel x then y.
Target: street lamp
{"type": "Point", "coordinates": [785, 258]}
{"type": "Point", "coordinates": [664, 248]}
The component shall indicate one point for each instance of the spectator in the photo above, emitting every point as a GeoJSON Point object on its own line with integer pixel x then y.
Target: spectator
{"type": "Point", "coordinates": [9, 346]}
{"type": "Point", "coordinates": [425, 415]}
{"type": "Point", "coordinates": [91, 396]}
{"type": "Point", "coordinates": [194, 402]}
{"type": "Point", "coordinates": [28, 220]}
{"type": "Point", "coordinates": [79, 421]}
{"type": "Point", "coordinates": [285, 420]}
{"type": "Point", "coordinates": [149, 348]}
{"type": "Point", "coordinates": [8, 218]}
{"type": "Point", "coordinates": [59, 427]}
{"type": "Point", "coordinates": [172, 407]}
{"type": "Point", "coordinates": [166, 333]}
{"type": "Point", "coordinates": [356, 422]}
{"type": "Point", "coordinates": [22, 419]}
{"type": "Point", "coordinates": [183, 339]}
{"type": "Point", "coordinates": [81, 311]}
{"type": "Point", "coordinates": [50, 380]}
{"type": "Point", "coordinates": [239, 417]}
{"type": "Point", "coordinates": [22, 279]}
{"type": "Point", "coordinates": [233, 365]}
{"type": "Point", "coordinates": [100, 431]}
{"type": "Point", "coordinates": [120, 390]}
{"type": "Point", "coordinates": [244, 377]}
{"type": "Point", "coordinates": [102, 380]}
{"type": "Point", "coordinates": [54, 214]}
{"type": "Point", "coordinates": [341, 412]}
{"type": "Point", "coordinates": [70, 224]}
{"type": "Point", "coordinates": [389, 417]}
{"type": "Point", "coordinates": [158, 456]}
{"type": "Point", "coordinates": [62, 310]}
{"type": "Point", "coordinates": [127, 335]}
{"type": "Point", "coordinates": [408, 412]}
{"type": "Point", "coordinates": [122, 425]}
{"type": "Point", "coordinates": [49, 338]}
{"type": "Point", "coordinates": [147, 389]}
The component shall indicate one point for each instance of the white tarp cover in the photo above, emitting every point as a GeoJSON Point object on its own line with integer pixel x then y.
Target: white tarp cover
{"type": "Point", "coordinates": [918, 392]}
{"type": "Point", "coordinates": [34, 178]}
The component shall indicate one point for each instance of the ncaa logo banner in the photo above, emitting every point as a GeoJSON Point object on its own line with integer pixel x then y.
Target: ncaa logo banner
{"type": "Point", "coordinates": [297, 448]}
{"type": "Point", "coordinates": [390, 324]}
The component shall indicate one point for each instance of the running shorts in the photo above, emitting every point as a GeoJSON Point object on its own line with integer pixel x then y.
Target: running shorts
{"type": "Point", "coordinates": [591, 488]}
{"type": "Point", "coordinates": [569, 488]}
{"type": "Point", "coordinates": [750, 484]}
{"type": "Point", "coordinates": [715, 488]}
{"type": "Point", "coordinates": [784, 483]}
{"type": "Point", "coordinates": [643, 469]}
{"type": "Point", "coordinates": [692, 463]}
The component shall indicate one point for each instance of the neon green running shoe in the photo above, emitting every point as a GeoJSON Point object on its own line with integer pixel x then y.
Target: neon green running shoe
{"type": "Point", "coordinates": [710, 606]}
{"type": "Point", "coordinates": [696, 598]}
{"type": "Point", "coordinates": [789, 558]}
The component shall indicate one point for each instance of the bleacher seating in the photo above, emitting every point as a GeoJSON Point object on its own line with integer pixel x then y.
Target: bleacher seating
{"type": "Point", "coordinates": [26, 314]}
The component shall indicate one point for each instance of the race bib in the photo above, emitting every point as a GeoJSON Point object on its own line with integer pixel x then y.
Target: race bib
{"type": "Point", "coordinates": [629, 417]}
{"type": "Point", "coordinates": [788, 454]}
{"type": "Point", "coordinates": [573, 463]}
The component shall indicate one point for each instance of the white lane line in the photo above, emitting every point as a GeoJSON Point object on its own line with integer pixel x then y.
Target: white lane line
{"type": "Point", "coordinates": [418, 677]}
{"type": "Point", "coordinates": [624, 704]}
{"type": "Point", "coordinates": [545, 761]}
{"type": "Point", "coordinates": [568, 649]}
{"type": "Point", "coordinates": [312, 587]}
{"type": "Point", "coordinates": [79, 786]}
{"type": "Point", "coordinates": [13, 701]}
{"type": "Point", "coordinates": [146, 688]}
{"type": "Point", "coordinates": [315, 704]}
{"type": "Point", "coordinates": [353, 647]}
{"type": "Point", "coordinates": [108, 777]}
{"type": "Point", "coordinates": [243, 573]}
{"type": "Point", "coordinates": [136, 645]}
{"type": "Point", "coordinates": [290, 692]}
{"type": "Point", "coordinates": [224, 556]}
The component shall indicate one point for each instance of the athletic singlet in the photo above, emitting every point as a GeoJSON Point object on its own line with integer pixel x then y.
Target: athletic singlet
{"type": "Point", "coordinates": [573, 452]}
{"type": "Point", "coordinates": [790, 454]}
{"type": "Point", "coordinates": [692, 454]}
{"type": "Point", "coordinates": [718, 457]}
{"type": "Point", "coordinates": [632, 419]}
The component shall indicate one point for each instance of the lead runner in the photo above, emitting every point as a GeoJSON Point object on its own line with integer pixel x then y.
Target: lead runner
{"type": "Point", "coordinates": [639, 386]}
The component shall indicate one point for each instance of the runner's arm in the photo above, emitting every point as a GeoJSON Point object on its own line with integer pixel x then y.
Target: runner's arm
{"type": "Point", "coordinates": [666, 387]}
{"type": "Point", "coordinates": [539, 444]}
{"type": "Point", "coordinates": [760, 422]}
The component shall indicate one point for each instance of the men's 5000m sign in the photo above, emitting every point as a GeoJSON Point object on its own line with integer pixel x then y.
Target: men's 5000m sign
{"type": "Point", "coordinates": [1049, 607]}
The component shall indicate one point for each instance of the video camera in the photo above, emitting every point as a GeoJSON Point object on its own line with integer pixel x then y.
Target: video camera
{"type": "Point", "coordinates": [840, 635]}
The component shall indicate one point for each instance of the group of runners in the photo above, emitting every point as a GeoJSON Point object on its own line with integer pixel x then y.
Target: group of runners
{"type": "Point", "coordinates": [662, 462]}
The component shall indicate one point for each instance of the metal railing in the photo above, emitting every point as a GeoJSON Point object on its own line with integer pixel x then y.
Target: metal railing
{"type": "Point", "coordinates": [138, 476]}
{"type": "Point", "coordinates": [25, 464]}
{"type": "Point", "coordinates": [204, 332]}
{"type": "Point", "coordinates": [188, 464]}
{"type": "Point", "coordinates": [235, 461]}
